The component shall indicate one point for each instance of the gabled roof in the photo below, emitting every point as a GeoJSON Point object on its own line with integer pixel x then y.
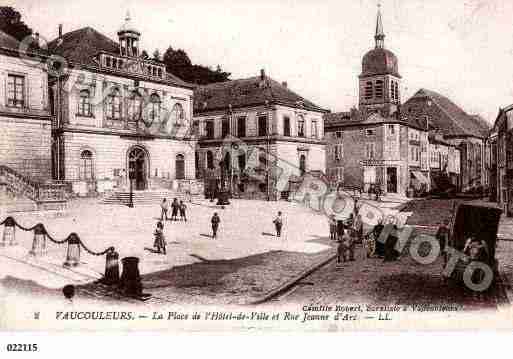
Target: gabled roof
{"type": "Point", "coordinates": [454, 121]}
{"type": "Point", "coordinates": [248, 92]}
{"type": "Point", "coordinates": [83, 45]}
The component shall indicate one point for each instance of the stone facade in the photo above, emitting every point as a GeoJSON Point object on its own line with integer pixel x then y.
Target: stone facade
{"type": "Point", "coordinates": [25, 129]}
{"type": "Point", "coordinates": [503, 159]}
{"type": "Point", "coordinates": [288, 149]}
{"type": "Point", "coordinates": [129, 119]}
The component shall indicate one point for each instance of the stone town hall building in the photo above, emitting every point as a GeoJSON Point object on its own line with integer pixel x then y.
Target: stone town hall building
{"type": "Point", "coordinates": [117, 115]}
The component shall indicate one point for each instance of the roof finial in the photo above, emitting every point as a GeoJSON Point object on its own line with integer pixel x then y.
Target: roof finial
{"type": "Point", "coordinates": [127, 17]}
{"type": "Point", "coordinates": [380, 34]}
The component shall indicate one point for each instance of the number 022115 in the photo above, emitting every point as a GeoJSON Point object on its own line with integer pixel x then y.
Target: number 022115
{"type": "Point", "coordinates": [22, 347]}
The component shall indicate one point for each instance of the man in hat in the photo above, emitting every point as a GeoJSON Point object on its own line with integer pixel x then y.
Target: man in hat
{"type": "Point", "coordinates": [215, 224]}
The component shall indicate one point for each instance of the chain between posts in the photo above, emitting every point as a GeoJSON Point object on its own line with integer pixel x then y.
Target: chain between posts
{"type": "Point", "coordinates": [45, 232]}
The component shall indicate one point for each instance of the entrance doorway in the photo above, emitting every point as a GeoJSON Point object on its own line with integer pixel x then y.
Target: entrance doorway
{"type": "Point", "coordinates": [391, 179]}
{"type": "Point", "coordinates": [138, 168]}
{"type": "Point", "coordinates": [180, 167]}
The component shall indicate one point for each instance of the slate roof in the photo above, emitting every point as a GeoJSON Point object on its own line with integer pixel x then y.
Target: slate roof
{"type": "Point", "coordinates": [357, 118]}
{"type": "Point", "coordinates": [248, 92]}
{"type": "Point", "coordinates": [8, 42]}
{"type": "Point", "coordinates": [83, 45]}
{"type": "Point", "coordinates": [454, 121]}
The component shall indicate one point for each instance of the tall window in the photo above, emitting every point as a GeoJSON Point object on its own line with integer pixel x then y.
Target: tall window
{"type": "Point", "coordinates": [369, 150]}
{"type": "Point", "coordinates": [84, 103]}
{"type": "Point", "coordinates": [396, 85]}
{"type": "Point", "coordinates": [379, 89]}
{"type": "Point", "coordinates": [177, 114]}
{"type": "Point", "coordinates": [286, 126]}
{"type": "Point", "coordinates": [301, 126]}
{"type": "Point", "coordinates": [210, 129]}
{"type": "Point", "coordinates": [368, 93]}
{"type": "Point", "coordinates": [314, 129]}
{"type": "Point", "coordinates": [210, 160]}
{"type": "Point", "coordinates": [391, 129]}
{"type": "Point", "coordinates": [302, 164]}
{"type": "Point", "coordinates": [241, 127]}
{"type": "Point", "coordinates": [262, 125]}
{"type": "Point", "coordinates": [225, 127]}
{"type": "Point", "coordinates": [154, 107]}
{"type": "Point", "coordinates": [134, 106]}
{"type": "Point", "coordinates": [114, 105]}
{"type": "Point", "coordinates": [242, 161]}
{"type": "Point", "coordinates": [16, 91]}
{"type": "Point", "coordinates": [85, 170]}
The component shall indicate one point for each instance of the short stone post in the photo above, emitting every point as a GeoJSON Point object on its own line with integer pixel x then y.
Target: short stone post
{"type": "Point", "coordinates": [73, 252]}
{"type": "Point", "coordinates": [39, 241]}
{"type": "Point", "coordinates": [130, 282]}
{"type": "Point", "coordinates": [9, 235]}
{"type": "Point", "coordinates": [111, 267]}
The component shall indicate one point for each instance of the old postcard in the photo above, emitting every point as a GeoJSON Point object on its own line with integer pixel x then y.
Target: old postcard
{"type": "Point", "coordinates": [289, 166]}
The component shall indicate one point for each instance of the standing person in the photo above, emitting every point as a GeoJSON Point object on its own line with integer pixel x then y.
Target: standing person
{"type": "Point", "coordinates": [443, 235]}
{"type": "Point", "coordinates": [164, 205]}
{"type": "Point", "coordinates": [358, 228]}
{"type": "Point", "coordinates": [215, 224]}
{"type": "Point", "coordinates": [278, 224]}
{"type": "Point", "coordinates": [340, 229]}
{"type": "Point", "coordinates": [183, 207]}
{"type": "Point", "coordinates": [160, 240]}
{"type": "Point", "coordinates": [174, 208]}
{"type": "Point", "coordinates": [333, 227]}
{"type": "Point", "coordinates": [379, 247]}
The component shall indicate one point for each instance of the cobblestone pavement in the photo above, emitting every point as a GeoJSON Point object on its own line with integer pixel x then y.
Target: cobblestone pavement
{"type": "Point", "coordinates": [401, 282]}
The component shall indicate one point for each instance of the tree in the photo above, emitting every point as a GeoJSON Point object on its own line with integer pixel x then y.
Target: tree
{"type": "Point", "coordinates": [11, 23]}
{"type": "Point", "coordinates": [156, 55]}
{"type": "Point", "coordinates": [144, 55]}
{"type": "Point", "coordinates": [178, 63]}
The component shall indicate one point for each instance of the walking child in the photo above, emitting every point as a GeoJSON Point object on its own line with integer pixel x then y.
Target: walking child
{"type": "Point", "coordinates": [160, 241]}
{"type": "Point", "coordinates": [278, 224]}
{"type": "Point", "coordinates": [183, 207]}
{"type": "Point", "coordinates": [215, 224]}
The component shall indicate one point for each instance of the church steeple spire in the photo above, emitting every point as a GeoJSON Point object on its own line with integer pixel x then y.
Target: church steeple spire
{"type": "Point", "coordinates": [380, 34]}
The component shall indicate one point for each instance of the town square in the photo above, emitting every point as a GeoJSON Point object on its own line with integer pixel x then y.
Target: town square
{"type": "Point", "coordinates": [138, 177]}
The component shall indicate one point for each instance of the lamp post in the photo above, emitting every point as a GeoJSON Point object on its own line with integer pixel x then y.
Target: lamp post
{"type": "Point", "coordinates": [131, 174]}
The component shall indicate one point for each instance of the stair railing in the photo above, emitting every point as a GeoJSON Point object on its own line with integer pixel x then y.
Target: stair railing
{"type": "Point", "coordinates": [36, 191]}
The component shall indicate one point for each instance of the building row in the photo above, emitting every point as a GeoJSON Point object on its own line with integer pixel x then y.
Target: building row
{"type": "Point", "coordinates": [90, 111]}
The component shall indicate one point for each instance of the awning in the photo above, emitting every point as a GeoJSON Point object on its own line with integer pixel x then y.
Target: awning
{"type": "Point", "coordinates": [420, 176]}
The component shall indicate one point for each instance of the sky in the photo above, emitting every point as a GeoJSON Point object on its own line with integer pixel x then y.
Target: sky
{"type": "Point", "coordinates": [462, 49]}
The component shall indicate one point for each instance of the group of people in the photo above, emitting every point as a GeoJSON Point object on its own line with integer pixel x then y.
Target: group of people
{"type": "Point", "coordinates": [176, 207]}
{"type": "Point", "coordinates": [347, 234]}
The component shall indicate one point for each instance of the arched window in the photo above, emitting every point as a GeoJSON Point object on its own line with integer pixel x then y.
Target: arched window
{"type": "Point", "coordinates": [302, 164]}
{"type": "Point", "coordinates": [85, 169]}
{"type": "Point", "coordinates": [154, 107]}
{"type": "Point", "coordinates": [84, 103]}
{"type": "Point", "coordinates": [180, 166]}
{"type": "Point", "coordinates": [210, 160]}
{"type": "Point", "coordinates": [177, 114]}
{"type": "Point", "coordinates": [134, 106]}
{"type": "Point", "coordinates": [301, 126]}
{"type": "Point", "coordinates": [114, 105]}
{"type": "Point", "coordinates": [368, 90]}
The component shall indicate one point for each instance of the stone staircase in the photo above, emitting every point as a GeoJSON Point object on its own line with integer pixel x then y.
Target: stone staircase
{"type": "Point", "coordinates": [24, 194]}
{"type": "Point", "coordinates": [149, 197]}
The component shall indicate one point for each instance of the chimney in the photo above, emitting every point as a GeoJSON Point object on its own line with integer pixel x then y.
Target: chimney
{"type": "Point", "coordinates": [60, 31]}
{"type": "Point", "coordinates": [262, 74]}
{"type": "Point", "coordinates": [284, 84]}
